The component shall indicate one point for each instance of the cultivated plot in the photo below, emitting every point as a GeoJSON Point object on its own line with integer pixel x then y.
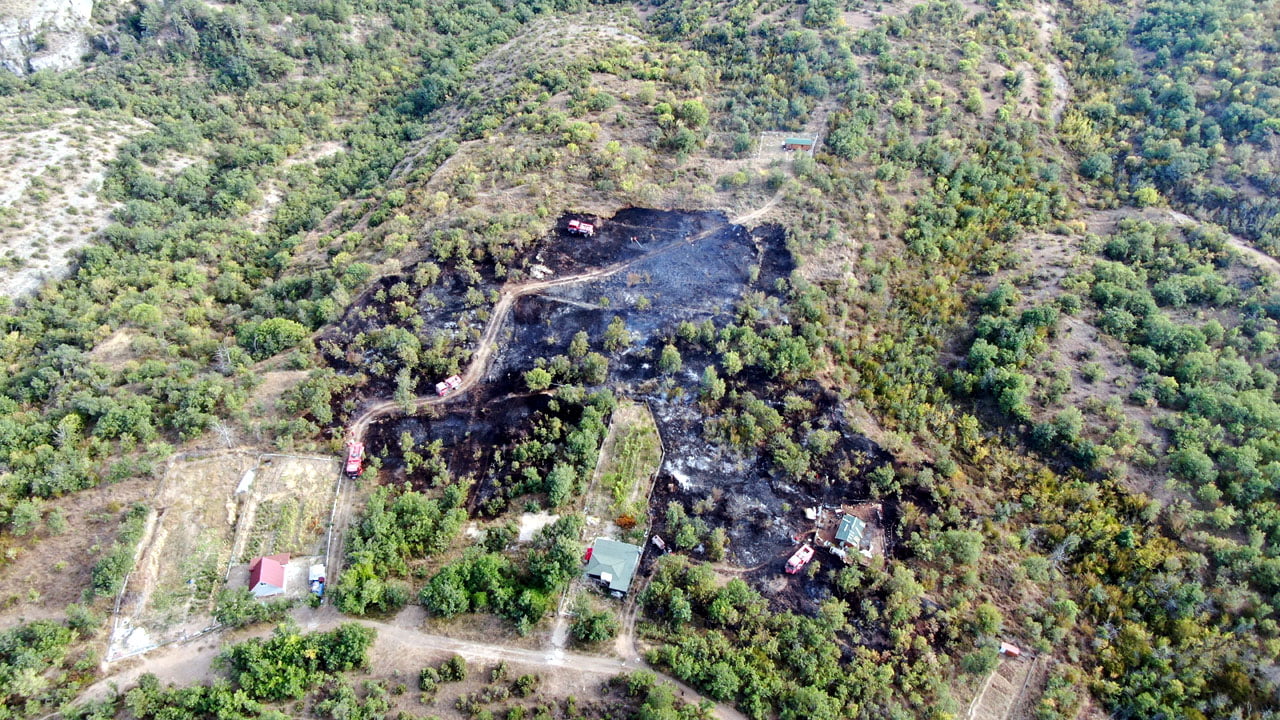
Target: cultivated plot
{"type": "Point", "coordinates": [289, 505]}
{"type": "Point", "coordinates": [211, 513]}
{"type": "Point", "coordinates": [629, 460]}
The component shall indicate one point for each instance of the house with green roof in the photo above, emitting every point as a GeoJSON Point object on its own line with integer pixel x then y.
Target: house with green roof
{"type": "Point", "coordinates": [613, 563]}
{"type": "Point", "coordinates": [851, 531]}
{"type": "Point", "coordinates": [797, 143]}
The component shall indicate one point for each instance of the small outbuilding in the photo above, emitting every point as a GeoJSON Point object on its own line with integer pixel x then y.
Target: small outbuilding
{"type": "Point", "coordinates": [797, 143]}
{"type": "Point", "coordinates": [850, 531]}
{"type": "Point", "coordinates": [266, 575]}
{"type": "Point", "coordinates": [613, 563]}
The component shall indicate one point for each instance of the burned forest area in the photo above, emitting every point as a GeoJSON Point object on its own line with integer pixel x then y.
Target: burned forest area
{"type": "Point", "coordinates": [671, 279]}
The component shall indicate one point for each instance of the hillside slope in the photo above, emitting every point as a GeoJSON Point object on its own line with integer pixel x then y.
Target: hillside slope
{"type": "Point", "coordinates": [1018, 297]}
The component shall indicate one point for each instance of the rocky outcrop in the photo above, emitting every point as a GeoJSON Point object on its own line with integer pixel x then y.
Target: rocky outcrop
{"type": "Point", "coordinates": [43, 34]}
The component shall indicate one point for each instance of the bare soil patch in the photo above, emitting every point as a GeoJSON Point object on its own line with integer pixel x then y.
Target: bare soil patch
{"type": "Point", "coordinates": [45, 571]}
{"type": "Point", "coordinates": [273, 386]}
{"type": "Point", "coordinates": [53, 164]}
{"type": "Point", "coordinates": [531, 523]}
{"type": "Point", "coordinates": [114, 350]}
{"type": "Point", "coordinates": [770, 150]}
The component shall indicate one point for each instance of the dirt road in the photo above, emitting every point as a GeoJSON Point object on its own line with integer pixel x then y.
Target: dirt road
{"type": "Point", "coordinates": [192, 663]}
{"type": "Point", "coordinates": [1042, 14]}
{"type": "Point", "coordinates": [484, 351]}
{"type": "Point", "coordinates": [1105, 221]}
{"type": "Point", "coordinates": [1252, 255]}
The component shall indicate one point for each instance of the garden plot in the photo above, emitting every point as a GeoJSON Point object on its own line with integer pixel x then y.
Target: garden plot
{"type": "Point", "coordinates": [210, 512]}
{"type": "Point", "coordinates": [287, 508]}
{"type": "Point", "coordinates": [183, 558]}
{"type": "Point", "coordinates": [629, 459]}
{"type": "Point", "coordinates": [1001, 691]}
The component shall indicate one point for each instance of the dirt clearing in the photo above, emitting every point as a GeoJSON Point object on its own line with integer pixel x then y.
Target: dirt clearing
{"type": "Point", "coordinates": [47, 570]}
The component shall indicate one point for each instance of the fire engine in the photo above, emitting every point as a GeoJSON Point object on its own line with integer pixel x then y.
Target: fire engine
{"type": "Point", "coordinates": [355, 458]}
{"type": "Point", "coordinates": [578, 227]}
{"type": "Point", "coordinates": [448, 385]}
{"type": "Point", "coordinates": [800, 559]}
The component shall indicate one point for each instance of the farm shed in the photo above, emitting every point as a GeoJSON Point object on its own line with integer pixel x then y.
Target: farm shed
{"type": "Point", "coordinates": [266, 575]}
{"type": "Point", "coordinates": [613, 563]}
{"type": "Point", "coordinates": [797, 143]}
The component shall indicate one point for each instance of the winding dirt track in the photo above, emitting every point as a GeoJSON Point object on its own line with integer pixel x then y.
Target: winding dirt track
{"type": "Point", "coordinates": [498, 316]}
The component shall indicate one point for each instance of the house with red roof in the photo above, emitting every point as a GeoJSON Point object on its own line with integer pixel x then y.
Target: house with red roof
{"type": "Point", "coordinates": [266, 575]}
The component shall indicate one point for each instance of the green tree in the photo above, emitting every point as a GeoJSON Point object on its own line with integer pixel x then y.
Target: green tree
{"type": "Point", "coordinates": [731, 362]}
{"type": "Point", "coordinates": [25, 517]}
{"type": "Point", "coordinates": [616, 336]}
{"type": "Point", "coordinates": [713, 387]}
{"type": "Point", "coordinates": [595, 369]}
{"type": "Point", "coordinates": [271, 336]}
{"type": "Point", "coordinates": [538, 379]}
{"type": "Point", "coordinates": [1146, 196]}
{"type": "Point", "coordinates": [445, 594]}
{"type": "Point", "coordinates": [693, 113]}
{"type": "Point", "coordinates": [670, 362]}
{"type": "Point", "coordinates": [821, 13]}
{"type": "Point", "coordinates": [590, 626]}
{"type": "Point", "coordinates": [560, 484]}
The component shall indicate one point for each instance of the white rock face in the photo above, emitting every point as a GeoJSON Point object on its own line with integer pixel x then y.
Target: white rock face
{"type": "Point", "coordinates": [43, 34]}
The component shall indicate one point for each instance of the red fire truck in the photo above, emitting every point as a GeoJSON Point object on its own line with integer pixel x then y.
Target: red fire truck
{"type": "Point", "coordinates": [448, 385]}
{"type": "Point", "coordinates": [578, 227]}
{"type": "Point", "coordinates": [800, 559]}
{"type": "Point", "coordinates": [355, 458]}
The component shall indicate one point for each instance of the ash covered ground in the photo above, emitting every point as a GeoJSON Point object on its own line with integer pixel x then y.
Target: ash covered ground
{"type": "Point", "coordinates": [685, 266]}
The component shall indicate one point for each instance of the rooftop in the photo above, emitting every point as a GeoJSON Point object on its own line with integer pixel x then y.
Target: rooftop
{"type": "Point", "coordinates": [268, 569]}
{"type": "Point", "coordinates": [851, 530]}
{"type": "Point", "coordinates": [613, 562]}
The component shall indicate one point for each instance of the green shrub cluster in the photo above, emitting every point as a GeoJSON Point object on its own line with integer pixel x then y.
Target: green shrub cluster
{"type": "Point", "coordinates": [395, 528]}
{"type": "Point", "coordinates": [109, 573]}
{"type": "Point", "coordinates": [491, 582]}
{"type": "Point", "coordinates": [289, 663]}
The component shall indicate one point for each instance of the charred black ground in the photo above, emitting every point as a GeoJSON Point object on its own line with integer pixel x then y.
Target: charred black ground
{"type": "Point", "coordinates": [705, 270]}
